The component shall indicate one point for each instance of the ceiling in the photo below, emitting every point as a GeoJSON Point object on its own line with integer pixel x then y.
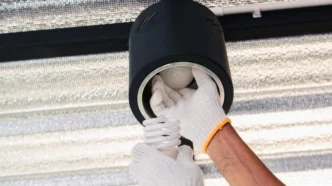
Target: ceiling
{"type": "Point", "coordinates": [66, 120]}
{"type": "Point", "coordinates": [28, 15]}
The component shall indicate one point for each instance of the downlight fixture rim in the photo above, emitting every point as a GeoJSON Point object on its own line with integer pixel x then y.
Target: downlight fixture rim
{"type": "Point", "coordinates": [221, 75]}
{"type": "Point", "coordinates": [149, 77]}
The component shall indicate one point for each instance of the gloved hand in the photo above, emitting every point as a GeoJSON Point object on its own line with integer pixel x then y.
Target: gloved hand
{"type": "Point", "coordinates": [200, 112]}
{"type": "Point", "coordinates": [153, 168]}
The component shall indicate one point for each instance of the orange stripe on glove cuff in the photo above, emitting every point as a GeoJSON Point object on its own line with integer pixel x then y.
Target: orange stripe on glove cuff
{"type": "Point", "coordinates": [214, 132]}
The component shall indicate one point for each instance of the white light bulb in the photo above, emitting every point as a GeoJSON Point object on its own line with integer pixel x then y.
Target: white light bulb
{"type": "Point", "coordinates": [177, 77]}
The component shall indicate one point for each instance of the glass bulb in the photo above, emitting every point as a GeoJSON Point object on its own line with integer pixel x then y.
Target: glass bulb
{"type": "Point", "coordinates": [177, 77]}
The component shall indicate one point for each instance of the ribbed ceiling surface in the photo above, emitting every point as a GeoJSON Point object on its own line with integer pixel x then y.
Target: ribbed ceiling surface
{"type": "Point", "coordinates": [66, 121]}
{"type": "Point", "coordinates": [28, 15]}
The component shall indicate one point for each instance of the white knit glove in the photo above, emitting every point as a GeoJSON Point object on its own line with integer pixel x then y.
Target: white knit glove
{"type": "Point", "coordinates": [153, 168]}
{"type": "Point", "coordinates": [200, 112]}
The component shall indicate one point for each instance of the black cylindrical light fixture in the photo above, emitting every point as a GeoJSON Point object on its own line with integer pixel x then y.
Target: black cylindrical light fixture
{"type": "Point", "coordinates": [175, 33]}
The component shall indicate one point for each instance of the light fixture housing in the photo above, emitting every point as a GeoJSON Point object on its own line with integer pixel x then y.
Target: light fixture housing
{"type": "Point", "coordinates": [175, 33]}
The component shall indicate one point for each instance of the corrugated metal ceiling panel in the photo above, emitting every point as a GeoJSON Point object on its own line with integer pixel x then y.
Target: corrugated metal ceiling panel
{"type": "Point", "coordinates": [23, 15]}
{"type": "Point", "coordinates": [66, 121]}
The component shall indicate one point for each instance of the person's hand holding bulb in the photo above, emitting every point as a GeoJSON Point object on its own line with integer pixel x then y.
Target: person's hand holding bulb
{"type": "Point", "coordinates": [199, 111]}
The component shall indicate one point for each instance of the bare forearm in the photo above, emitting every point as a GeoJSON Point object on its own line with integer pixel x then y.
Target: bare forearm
{"type": "Point", "coordinates": [236, 161]}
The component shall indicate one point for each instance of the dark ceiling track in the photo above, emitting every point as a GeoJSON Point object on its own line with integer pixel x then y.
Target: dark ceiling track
{"type": "Point", "coordinates": [114, 37]}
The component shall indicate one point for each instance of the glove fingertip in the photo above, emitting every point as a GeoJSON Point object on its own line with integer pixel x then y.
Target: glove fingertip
{"type": "Point", "coordinates": [197, 73]}
{"type": "Point", "coordinates": [201, 77]}
{"type": "Point", "coordinates": [156, 98]}
{"type": "Point", "coordinates": [157, 82]}
{"type": "Point", "coordinates": [157, 103]}
{"type": "Point", "coordinates": [156, 78]}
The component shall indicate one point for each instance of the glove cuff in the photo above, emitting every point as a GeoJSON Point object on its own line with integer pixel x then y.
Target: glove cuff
{"type": "Point", "coordinates": [214, 132]}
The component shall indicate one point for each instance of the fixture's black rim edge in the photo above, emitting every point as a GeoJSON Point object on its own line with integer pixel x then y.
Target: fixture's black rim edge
{"type": "Point", "coordinates": [221, 73]}
{"type": "Point", "coordinates": [114, 37]}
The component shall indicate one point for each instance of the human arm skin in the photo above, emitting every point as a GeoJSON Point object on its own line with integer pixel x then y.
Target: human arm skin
{"type": "Point", "coordinates": [237, 162]}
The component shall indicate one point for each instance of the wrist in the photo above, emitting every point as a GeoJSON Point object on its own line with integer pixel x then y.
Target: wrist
{"type": "Point", "coordinates": [222, 153]}
{"type": "Point", "coordinates": [237, 162]}
{"type": "Point", "coordinates": [219, 127]}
